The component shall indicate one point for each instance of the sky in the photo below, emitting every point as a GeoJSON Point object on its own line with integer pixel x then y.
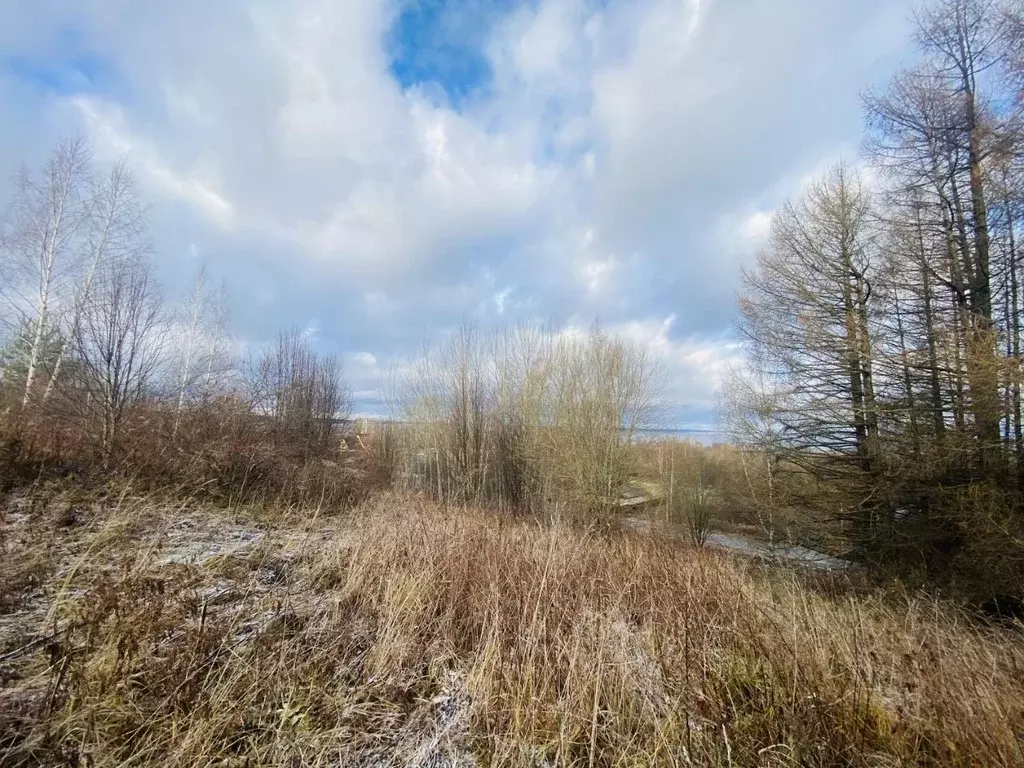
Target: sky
{"type": "Point", "coordinates": [376, 172]}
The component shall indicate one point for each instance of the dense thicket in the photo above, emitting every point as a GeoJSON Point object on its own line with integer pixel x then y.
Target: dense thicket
{"type": "Point", "coordinates": [525, 418]}
{"type": "Point", "coordinates": [883, 318]}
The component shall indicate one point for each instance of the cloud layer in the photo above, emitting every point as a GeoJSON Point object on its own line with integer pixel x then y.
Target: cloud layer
{"type": "Point", "coordinates": [380, 171]}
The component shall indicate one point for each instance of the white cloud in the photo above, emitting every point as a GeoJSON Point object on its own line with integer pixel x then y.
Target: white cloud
{"type": "Point", "coordinates": [695, 15]}
{"type": "Point", "coordinates": [499, 300]}
{"type": "Point", "coordinates": [597, 274]}
{"type": "Point", "coordinates": [375, 300]}
{"type": "Point", "coordinates": [312, 329]}
{"type": "Point", "coordinates": [693, 366]}
{"type": "Point", "coordinates": [757, 226]}
{"type": "Point", "coordinates": [105, 125]}
{"type": "Point", "coordinates": [399, 180]}
{"type": "Point", "coordinates": [622, 161]}
{"type": "Point", "coordinates": [547, 39]}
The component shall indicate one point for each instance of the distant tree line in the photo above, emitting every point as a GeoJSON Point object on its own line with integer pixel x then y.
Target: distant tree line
{"type": "Point", "coordinates": [883, 319]}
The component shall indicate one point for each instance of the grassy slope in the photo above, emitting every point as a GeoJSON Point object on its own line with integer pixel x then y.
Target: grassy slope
{"type": "Point", "coordinates": [402, 634]}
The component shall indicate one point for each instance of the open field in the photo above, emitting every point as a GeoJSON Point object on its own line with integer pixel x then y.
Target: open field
{"type": "Point", "coordinates": [345, 360]}
{"type": "Point", "coordinates": [144, 632]}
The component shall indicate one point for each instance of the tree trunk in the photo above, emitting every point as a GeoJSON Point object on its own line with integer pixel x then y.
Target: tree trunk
{"type": "Point", "coordinates": [938, 414]}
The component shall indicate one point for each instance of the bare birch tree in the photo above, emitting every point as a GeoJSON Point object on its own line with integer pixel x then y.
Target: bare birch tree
{"type": "Point", "coordinates": [203, 356]}
{"type": "Point", "coordinates": [115, 226]}
{"type": "Point", "coordinates": [43, 246]}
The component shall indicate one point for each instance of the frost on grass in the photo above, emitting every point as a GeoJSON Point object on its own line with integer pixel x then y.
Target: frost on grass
{"type": "Point", "coordinates": [186, 546]}
{"type": "Point", "coordinates": [411, 635]}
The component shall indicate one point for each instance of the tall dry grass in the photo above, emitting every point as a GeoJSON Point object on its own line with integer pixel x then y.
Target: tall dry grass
{"type": "Point", "coordinates": [417, 634]}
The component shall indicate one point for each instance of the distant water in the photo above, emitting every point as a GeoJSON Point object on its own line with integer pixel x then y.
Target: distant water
{"type": "Point", "coordinates": [793, 553]}
{"type": "Point", "coordinates": [703, 435]}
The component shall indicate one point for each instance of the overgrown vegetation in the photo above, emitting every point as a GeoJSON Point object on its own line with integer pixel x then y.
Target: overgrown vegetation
{"type": "Point", "coordinates": [525, 419]}
{"type": "Point", "coordinates": [102, 378]}
{"type": "Point", "coordinates": [413, 634]}
{"type": "Point", "coordinates": [883, 325]}
{"type": "Point", "coordinates": [196, 568]}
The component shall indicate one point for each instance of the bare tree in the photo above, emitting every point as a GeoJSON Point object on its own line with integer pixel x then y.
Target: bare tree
{"type": "Point", "coordinates": [43, 245]}
{"type": "Point", "coordinates": [964, 39]}
{"type": "Point", "coordinates": [203, 356]}
{"type": "Point", "coordinates": [1013, 21]}
{"type": "Point", "coordinates": [116, 224]}
{"type": "Point", "coordinates": [807, 311]}
{"type": "Point", "coordinates": [302, 392]}
{"type": "Point", "coordinates": [119, 344]}
{"type": "Point", "coordinates": [603, 389]}
{"type": "Point", "coordinates": [885, 336]}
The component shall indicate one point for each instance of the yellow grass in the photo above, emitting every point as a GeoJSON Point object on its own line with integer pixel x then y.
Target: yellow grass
{"type": "Point", "coordinates": [404, 634]}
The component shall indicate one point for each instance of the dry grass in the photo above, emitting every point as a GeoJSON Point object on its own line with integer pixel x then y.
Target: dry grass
{"type": "Point", "coordinates": [402, 634]}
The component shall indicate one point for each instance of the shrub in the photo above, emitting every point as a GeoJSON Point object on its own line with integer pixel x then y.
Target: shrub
{"type": "Point", "coordinates": [528, 419]}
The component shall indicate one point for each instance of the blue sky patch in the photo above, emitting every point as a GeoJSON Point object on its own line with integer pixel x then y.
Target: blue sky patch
{"type": "Point", "coordinates": [64, 67]}
{"type": "Point", "coordinates": [80, 73]}
{"type": "Point", "coordinates": [442, 42]}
